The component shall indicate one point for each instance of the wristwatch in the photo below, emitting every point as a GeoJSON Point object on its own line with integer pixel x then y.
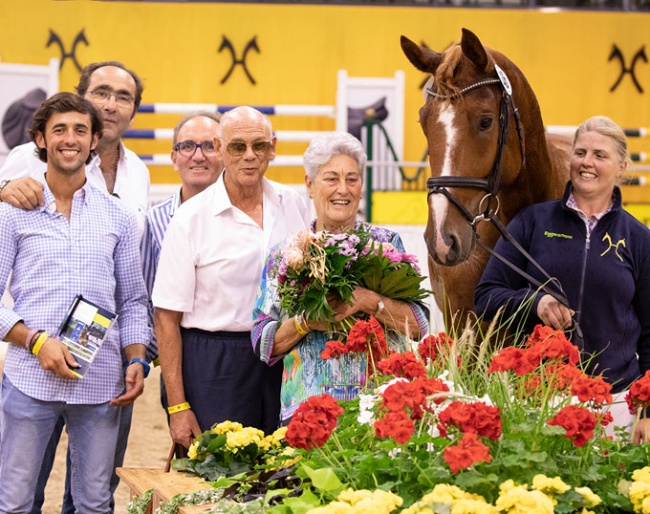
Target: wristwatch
{"type": "Point", "coordinates": [3, 183]}
{"type": "Point", "coordinates": [145, 365]}
{"type": "Point", "coordinates": [380, 307]}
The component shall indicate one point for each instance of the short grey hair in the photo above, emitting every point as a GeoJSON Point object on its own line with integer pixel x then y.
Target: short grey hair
{"type": "Point", "coordinates": [216, 116]}
{"type": "Point", "coordinates": [323, 148]}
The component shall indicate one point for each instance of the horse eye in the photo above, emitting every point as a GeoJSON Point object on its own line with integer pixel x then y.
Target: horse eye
{"type": "Point", "coordinates": [486, 123]}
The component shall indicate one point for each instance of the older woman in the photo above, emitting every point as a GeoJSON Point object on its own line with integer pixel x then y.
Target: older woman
{"type": "Point", "coordinates": [334, 166]}
{"type": "Point", "coordinates": [599, 253]}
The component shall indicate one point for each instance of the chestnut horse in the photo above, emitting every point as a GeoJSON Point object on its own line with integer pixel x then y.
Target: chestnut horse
{"type": "Point", "coordinates": [489, 156]}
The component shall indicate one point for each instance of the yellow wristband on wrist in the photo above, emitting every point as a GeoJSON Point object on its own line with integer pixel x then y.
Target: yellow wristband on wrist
{"type": "Point", "coordinates": [39, 342]}
{"type": "Point", "coordinates": [297, 322]}
{"type": "Point", "coordinates": [180, 407]}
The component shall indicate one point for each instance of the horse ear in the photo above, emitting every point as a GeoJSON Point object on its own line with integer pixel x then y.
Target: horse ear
{"type": "Point", "coordinates": [473, 50]}
{"type": "Point", "coordinates": [423, 58]}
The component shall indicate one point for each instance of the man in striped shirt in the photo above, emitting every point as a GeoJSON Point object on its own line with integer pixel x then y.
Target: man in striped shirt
{"type": "Point", "coordinates": [81, 241]}
{"type": "Point", "coordinates": [198, 165]}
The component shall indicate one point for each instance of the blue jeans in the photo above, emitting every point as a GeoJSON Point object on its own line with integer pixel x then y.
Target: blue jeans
{"type": "Point", "coordinates": [27, 426]}
{"type": "Point", "coordinates": [50, 455]}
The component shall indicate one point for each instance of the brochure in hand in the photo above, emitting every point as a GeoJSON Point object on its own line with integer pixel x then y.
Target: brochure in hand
{"type": "Point", "coordinates": [84, 330]}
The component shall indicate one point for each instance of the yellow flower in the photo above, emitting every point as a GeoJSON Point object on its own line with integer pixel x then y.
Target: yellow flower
{"type": "Point", "coordinates": [193, 450]}
{"type": "Point", "coordinates": [280, 434]}
{"type": "Point", "coordinates": [450, 495]}
{"type": "Point", "coordinates": [226, 426]}
{"type": "Point", "coordinates": [519, 500]}
{"type": "Point", "coordinates": [506, 486]}
{"type": "Point", "coordinates": [550, 485]}
{"type": "Point", "coordinates": [640, 496]}
{"type": "Point", "coordinates": [590, 497]}
{"type": "Point", "coordinates": [351, 496]}
{"type": "Point", "coordinates": [642, 475]}
{"type": "Point", "coordinates": [417, 509]}
{"type": "Point", "coordinates": [370, 502]}
{"type": "Point", "coordinates": [243, 438]}
{"type": "Point", "coordinates": [467, 506]}
{"type": "Point", "coordinates": [332, 508]}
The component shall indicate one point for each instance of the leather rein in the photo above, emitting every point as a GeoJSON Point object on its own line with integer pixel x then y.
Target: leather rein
{"type": "Point", "coordinates": [490, 184]}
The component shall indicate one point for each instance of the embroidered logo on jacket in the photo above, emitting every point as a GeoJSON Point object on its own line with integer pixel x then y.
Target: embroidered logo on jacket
{"type": "Point", "coordinates": [555, 234]}
{"type": "Point", "coordinates": [608, 238]}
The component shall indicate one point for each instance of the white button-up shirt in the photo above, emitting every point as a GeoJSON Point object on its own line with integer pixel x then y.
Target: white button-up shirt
{"type": "Point", "coordinates": [213, 255]}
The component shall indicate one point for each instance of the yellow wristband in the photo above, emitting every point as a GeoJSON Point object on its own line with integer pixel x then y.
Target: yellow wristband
{"type": "Point", "coordinates": [297, 322]}
{"type": "Point", "coordinates": [178, 408]}
{"type": "Point", "coordinates": [39, 342]}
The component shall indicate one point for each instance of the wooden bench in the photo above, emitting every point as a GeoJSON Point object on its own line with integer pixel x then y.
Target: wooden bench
{"type": "Point", "coordinates": [165, 486]}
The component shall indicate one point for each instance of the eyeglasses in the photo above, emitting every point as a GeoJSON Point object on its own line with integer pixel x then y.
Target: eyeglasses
{"type": "Point", "coordinates": [188, 148]}
{"type": "Point", "coordinates": [238, 148]}
{"type": "Point", "coordinates": [104, 95]}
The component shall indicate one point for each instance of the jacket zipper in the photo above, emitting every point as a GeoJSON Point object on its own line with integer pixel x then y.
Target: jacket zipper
{"type": "Point", "coordinates": [582, 276]}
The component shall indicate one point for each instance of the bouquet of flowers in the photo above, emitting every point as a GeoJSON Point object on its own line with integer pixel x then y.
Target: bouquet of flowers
{"type": "Point", "coordinates": [314, 268]}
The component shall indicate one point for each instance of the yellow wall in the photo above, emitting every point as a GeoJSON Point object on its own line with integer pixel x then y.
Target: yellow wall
{"type": "Point", "coordinates": [174, 47]}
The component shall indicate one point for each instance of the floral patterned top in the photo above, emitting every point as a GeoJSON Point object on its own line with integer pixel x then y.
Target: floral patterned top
{"type": "Point", "coordinates": [305, 373]}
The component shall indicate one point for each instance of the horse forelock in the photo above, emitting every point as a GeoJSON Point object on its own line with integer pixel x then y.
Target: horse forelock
{"type": "Point", "coordinates": [444, 75]}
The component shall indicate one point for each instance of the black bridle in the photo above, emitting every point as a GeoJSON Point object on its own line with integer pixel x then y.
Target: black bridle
{"type": "Point", "coordinates": [491, 183]}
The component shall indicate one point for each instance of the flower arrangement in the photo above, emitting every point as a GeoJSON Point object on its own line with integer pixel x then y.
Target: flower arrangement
{"type": "Point", "coordinates": [228, 449]}
{"type": "Point", "coordinates": [451, 426]}
{"type": "Point", "coordinates": [314, 268]}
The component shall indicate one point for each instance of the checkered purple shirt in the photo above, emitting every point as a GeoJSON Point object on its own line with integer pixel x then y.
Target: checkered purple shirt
{"type": "Point", "coordinates": [52, 259]}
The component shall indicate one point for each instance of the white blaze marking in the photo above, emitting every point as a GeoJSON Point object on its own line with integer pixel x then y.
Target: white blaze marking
{"type": "Point", "coordinates": [439, 203]}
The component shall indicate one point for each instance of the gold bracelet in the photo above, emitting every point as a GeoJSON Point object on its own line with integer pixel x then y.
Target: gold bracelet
{"type": "Point", "coordinates": [40, 342]}
{"type": "Point", "coordinates": [180, 407]}
{"type": "Point", "coordinates": [297, 322]}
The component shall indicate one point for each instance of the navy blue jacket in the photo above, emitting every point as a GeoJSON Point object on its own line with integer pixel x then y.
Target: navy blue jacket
{"type": "Point", "coordinates": [605, 277]}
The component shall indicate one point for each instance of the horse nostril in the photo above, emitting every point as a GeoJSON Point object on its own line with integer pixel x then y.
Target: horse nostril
{"type": "Point", "coordinates": [454, 249]}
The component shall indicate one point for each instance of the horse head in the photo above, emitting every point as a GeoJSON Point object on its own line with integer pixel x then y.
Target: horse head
{"type": "Point", "coordinates": [487, 160]}
{"type": "Point", "coordinates": [476, 139]}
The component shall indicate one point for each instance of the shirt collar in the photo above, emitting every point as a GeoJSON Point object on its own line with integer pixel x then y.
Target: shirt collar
{"type": "Point", "coordinates": [49, 202]}
{"type": "Point", "coordinates": [222, 200]}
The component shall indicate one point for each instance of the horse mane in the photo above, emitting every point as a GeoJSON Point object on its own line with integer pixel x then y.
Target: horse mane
{"type": "Point", "coordinates": [445, 72]}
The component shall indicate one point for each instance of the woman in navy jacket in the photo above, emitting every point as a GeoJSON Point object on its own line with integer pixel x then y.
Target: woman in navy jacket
{"type": "Point", "coordinates": [601, 256]}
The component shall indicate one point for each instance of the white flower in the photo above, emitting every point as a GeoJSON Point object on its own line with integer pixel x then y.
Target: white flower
{"type": "Point", "coordinates": [366, 417]}
{"type": "Point", "coordinates": [381, 389]}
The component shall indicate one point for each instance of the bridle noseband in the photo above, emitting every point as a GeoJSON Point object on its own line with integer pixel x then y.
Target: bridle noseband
{"type": "Point", "coordinates": [490, 184]}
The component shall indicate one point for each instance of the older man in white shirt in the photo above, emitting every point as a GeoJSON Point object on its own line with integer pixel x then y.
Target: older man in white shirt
{"type": "Point", "coordinates": [209, 271]}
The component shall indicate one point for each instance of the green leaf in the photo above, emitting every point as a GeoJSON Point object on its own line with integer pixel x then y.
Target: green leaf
{"type": "Point", "coordinates": [324, 479]}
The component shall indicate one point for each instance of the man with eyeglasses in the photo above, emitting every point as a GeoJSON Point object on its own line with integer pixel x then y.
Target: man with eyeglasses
{"type": "Point", "coordinates": [195, 159]}
{"type": "Point", "coordinates": [116, 92]}
{"type": "Point", "coordinates": [209, 271]}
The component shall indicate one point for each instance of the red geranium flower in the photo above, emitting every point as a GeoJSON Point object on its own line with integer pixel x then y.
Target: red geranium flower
{"type": "Point", "coordinates": [594, 389]}
{"type": "Point", "coordinates": [333, 350]}
{"type": "Point", "coordinates": [477, 418]}
{"type": "Point", "coordinates": [578, 422]}
{"type": "Point", "coordinates": [313, 422]}
{"type": "Point", "coordinates": [512, 358]}
{"type": "Point", "coordinates": [368, 336]}
{"type": "Point", "coordinates": [403, 365]}
{"type": "Point", "coordinates": [639, 393]}
{"type": "Point", "coordinates": [396, 425]}
{"type": "Point", "coordinates": [431, 347]}
{"type": "Point", "coordinates": [546, 343]}
{"type": "Point", "coordinates": [468, 451]}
